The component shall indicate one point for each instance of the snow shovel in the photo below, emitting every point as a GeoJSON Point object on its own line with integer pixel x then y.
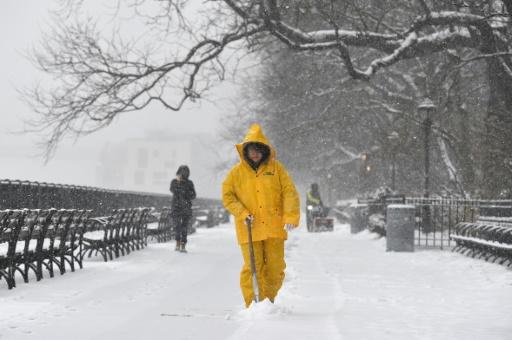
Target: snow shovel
{"type": "Point", "coordinates": [255, 286]}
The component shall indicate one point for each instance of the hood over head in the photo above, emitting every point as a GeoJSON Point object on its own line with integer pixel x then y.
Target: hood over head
{"type": "Point", "coordinates": [255, 137]}
{"type": "Point", "coordinates": [183, 171]}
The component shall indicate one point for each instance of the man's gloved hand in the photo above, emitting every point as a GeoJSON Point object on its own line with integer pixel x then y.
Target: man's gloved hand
{"type": "Point", "coordinates": [289, 227]}
{"type": "Point", "coordinates": [249, 219]}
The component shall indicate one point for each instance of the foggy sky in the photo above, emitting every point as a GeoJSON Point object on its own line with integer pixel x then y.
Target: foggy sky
{"type": "Point", "coordinates": [21, 23]}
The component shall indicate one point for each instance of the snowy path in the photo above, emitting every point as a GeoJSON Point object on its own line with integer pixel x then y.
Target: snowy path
{"type": "Point", "coordinates": [338, 286]}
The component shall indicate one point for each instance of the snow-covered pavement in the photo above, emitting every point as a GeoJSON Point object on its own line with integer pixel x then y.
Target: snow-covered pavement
{"type": "Point", "coordinates": [338, 286]}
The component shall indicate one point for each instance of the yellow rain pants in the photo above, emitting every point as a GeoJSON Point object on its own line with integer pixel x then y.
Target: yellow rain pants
{"type": "Point", "coordinates": [270, 265]}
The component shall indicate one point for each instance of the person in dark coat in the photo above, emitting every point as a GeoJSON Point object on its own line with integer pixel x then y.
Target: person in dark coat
{"type": "Point", "coordinates": [183, 193]}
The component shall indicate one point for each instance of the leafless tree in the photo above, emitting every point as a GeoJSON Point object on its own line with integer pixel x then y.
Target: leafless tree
{"type": "Point", "coordinates": [323, 121]}
{"type": "Point", "coordinates": [100, 78]}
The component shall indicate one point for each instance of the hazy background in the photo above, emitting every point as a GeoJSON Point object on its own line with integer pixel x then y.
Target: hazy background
{"type": "Point", "coordinates": [82, 161]}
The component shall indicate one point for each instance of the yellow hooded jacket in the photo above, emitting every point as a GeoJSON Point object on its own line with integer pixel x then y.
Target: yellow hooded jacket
{"type": "Point", "coordinates": [268, 194]}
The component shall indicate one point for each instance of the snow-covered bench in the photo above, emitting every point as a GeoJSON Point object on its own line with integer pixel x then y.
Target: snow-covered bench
{"type": "Point", "coordinates": [163, 229]}
{"type": "Point", "coordinates": [119, 234]}
{"type": "Point", "coordinates": [8, 225]}
{"type": "Point", "coordinates": [33, 240]}
{"type": "Point", "coordinates": [487, 238]}
{"type": "Point", "coordinates": [377, 224]}
{"type": "Point", "coordinates": [375, 211]}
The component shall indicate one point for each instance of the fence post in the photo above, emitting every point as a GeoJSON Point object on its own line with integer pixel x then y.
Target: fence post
{"type": "Point", "coordinates": [400, 227]}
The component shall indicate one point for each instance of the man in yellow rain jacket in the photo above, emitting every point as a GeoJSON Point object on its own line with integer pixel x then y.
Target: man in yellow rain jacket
{"type": "Point", "coordinates": [259, 188]}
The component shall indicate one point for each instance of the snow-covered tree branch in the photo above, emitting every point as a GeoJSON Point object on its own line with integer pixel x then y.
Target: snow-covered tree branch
{"type": "Point", "coordinates": [97, 77]}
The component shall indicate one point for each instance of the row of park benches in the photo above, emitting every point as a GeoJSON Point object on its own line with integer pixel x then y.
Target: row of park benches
{"type": "Point", "coordinates": [487, 238]}
{"type": "Point", "coordinates": [116, 235]}
{"type": "Point", "coordinates": [31, 240]}
{"type": "Point", "coordinates": [48, 240]}
{"type": "Point", "coordinates": [37, 240]}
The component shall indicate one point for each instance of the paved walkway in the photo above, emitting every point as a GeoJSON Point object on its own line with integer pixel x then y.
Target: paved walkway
{"type": "Point", "coordinates": [338, 286]}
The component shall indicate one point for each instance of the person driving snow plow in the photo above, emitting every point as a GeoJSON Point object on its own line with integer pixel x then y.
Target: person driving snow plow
{"type": "Point", "coordinates": [316, 213]}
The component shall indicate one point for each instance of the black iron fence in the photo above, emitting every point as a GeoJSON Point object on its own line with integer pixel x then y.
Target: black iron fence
{"type": "Point", "coordinates": [17, 194]}
{"type": "Point", "coordinates": [436, 217]}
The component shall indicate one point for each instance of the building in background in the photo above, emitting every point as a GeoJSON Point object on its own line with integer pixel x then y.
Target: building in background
{"type": "Point", "coordinates": [150, 163]}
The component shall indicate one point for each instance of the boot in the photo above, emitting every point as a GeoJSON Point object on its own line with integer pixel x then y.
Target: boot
{"type": "Point", "coordinates": [177, 248]}
{"type": "Point", "coordinates": [183, 250]}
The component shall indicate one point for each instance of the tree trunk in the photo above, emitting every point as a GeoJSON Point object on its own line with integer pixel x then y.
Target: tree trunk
{"type": "Point", "coordinates": [497, 179]}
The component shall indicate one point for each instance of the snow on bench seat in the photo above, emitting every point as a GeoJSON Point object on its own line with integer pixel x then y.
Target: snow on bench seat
{"type": "Point", "coordinates": [482, 242]}
{"type": "Point", "coordinates": [94, 235]}
{"type": "Point", "coordinates": [153, 225]}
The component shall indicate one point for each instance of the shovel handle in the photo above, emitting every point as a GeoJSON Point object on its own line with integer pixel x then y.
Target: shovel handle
{"type": "Point", "coordinates": [255, 286]}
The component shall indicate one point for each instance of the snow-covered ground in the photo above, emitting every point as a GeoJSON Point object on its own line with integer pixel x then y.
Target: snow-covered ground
{"type": "Point", "coordinates": [338, 286]}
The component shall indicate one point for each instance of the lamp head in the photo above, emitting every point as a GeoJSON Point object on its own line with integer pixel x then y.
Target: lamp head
{"type": "Point", "coordinates": [426, 107]}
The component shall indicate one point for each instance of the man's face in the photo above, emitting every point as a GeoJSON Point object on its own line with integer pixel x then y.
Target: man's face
{"type": "Point", "coordinates": [254, 155]}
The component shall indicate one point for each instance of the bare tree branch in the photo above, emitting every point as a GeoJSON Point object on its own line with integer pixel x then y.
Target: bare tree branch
{"type": "Point", "coordinates": [423, 5]}
{"type": "Point", "coordinates": [99, 79]}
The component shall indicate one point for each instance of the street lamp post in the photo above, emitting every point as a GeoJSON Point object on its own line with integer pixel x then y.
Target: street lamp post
{"type": "Point", "coordinates": [393, 140]}
{"type": "Point", "coordinates": [363, 172]}
{"type": "Point", "coordinates": [426, 108]}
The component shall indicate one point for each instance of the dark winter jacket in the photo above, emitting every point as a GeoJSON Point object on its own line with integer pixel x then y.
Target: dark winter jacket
{"type": "Point", "coordinates": [183, 193]}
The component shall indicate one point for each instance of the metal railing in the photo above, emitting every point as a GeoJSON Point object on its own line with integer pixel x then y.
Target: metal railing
{"type": "Point", "coordinates": [436, 217]}
{"type": "Point", "coordinates": [18, 194]}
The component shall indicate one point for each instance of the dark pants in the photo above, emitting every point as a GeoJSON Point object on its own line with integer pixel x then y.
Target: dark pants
{"type": "Point", "coordinates": [181, 227]}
